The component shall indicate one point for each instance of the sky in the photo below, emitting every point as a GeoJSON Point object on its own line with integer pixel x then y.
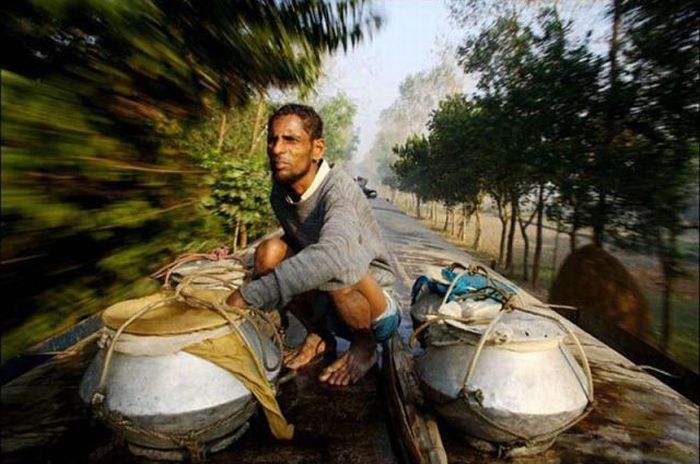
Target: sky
{"type": "Point", "coordinates": [371, 73]}
{"type": "Point", "coordinates": [412, 34]}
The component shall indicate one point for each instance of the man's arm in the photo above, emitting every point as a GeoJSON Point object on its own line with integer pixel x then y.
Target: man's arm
{"type": "Point", "coordinates": [337, 256]}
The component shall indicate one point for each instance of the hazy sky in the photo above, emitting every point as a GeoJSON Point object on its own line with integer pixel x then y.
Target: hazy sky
{"type": "Point", "coordinates": [371, 73]}
{"type": "Point", "coordinates": [413, 33]}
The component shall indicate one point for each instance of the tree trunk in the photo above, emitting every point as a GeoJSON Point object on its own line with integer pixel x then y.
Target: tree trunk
{"type": "Point", "coordinates": [464, 224]}
{"type": "Point", "coordinates": [235, 235]}
{"type": "Point", "coordinates": [503, 217]}
{"type": "Point", "coordinates": [573, 239]}
{"type": "Point", "coordinates": [222, 132]}
{"type": "Point", "coordinates": [257, 123]}
{"type": "Point", "coordinates": [555, 251]}
{"type": "Point", "coordinates": [418, 207]}
{"type": "Point", "coordinates": [243, 236]}
{"type": "Point", "coordinates": [538, 239]}
{"type": "Point", "coordinates": [599, 221]}
{"type": "Point", "coordinates": [510, 261]}
{"type": "Point", "coordinates": [666, 311]}
{"type": "Point", "coordinates": [670, 265]}
{"type": "Point", "coordinates": [601, 209]}
{"type": "Point", "coordinates": [526, 247]}
{"type": "Point", "coordinates": [454, 217]}
{"type": "Point", "coordinates": [447, 219]}
{"type": "Point", "coordinates": [477, 228]}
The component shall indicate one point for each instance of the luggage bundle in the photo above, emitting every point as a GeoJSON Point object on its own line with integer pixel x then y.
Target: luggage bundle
{"type": "Point", "coordinates": [497, 367]}
{"type": "Point", "coordinates": [179, 374]}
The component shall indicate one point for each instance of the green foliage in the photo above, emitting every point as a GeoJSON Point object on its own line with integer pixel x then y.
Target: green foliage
{"type": "Point", "coordinates": [227, 134]}
{"type": "Point", "coordinates": [413, 166]}
{"type": "Point", "coordinates": [240, 193]}
{"type": "Point", "coordinates": [662, 137]}
{"type": "Point", "coordinates": [457, 137]}
{"type": "Point", "coordinates": [338, 114]}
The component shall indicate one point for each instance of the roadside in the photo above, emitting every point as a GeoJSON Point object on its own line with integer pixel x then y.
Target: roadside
{"type": "Point", "coordinates": [555, 248]}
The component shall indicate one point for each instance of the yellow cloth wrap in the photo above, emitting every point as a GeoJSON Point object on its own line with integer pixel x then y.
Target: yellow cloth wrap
{"type": "Point", "coordinates": [232, 353]}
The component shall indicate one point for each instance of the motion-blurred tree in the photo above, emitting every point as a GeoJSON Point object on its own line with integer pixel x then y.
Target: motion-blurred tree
{"type": "Point", "coordinates": [663, 56]}
{"type": "Point", "coordinates": [95, 94]}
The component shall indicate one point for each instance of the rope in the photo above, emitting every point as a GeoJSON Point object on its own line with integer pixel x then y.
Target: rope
{"type": "Point", "coordinates": [434, 319]}
{"type": "Point", "coordinates": [224, 311]}
{"type": "Point", "coordinates": [217, 254]}
{"type": "Point", "coordinates": [190, 440]}
{"type": "Point", "coordinates": [473, 399]}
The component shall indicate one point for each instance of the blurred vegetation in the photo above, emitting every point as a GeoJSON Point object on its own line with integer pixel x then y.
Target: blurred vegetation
{"type": "Point", "coordinates": [338, 114]}
{"type": "Point", "coordinates": [125, 125]}
{"type": "Point", "coordinates": [607, 143]}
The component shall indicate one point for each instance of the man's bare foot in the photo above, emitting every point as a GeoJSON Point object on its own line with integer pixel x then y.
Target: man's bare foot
{"type": "Point", "coordinates": [311, 348]}
{"type": "Point", "coordinates": [352, 365]}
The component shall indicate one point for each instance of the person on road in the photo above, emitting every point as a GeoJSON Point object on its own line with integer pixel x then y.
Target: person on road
{"type": "Point", "coordinates": [331, 267]}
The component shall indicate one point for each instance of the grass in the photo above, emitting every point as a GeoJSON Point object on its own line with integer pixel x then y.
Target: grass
{"type": "Point", "coordinates": [683, 345]}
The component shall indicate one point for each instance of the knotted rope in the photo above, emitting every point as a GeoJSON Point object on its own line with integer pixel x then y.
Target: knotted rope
{"type": "Point", "coordinates": [166, 271]}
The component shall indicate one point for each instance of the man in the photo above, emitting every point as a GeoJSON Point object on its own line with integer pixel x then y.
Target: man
{"type": "Point", "coordinates": [331, 264]}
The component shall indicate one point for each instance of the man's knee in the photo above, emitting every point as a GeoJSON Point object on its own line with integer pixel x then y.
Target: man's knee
{"type": "Point", "coordinates": [269, 254]}
{"type": "Point", "coordinates": [365, 293]}
{"type": "Point", "coordinates": [341, 295]}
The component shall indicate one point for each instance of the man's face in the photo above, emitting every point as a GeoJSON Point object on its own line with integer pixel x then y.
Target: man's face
{"type": "Point", "coordinates": [291, 150]}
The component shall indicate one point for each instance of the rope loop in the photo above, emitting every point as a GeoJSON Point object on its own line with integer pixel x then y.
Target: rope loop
{"type": "Point", "coordinates": [218, 254]}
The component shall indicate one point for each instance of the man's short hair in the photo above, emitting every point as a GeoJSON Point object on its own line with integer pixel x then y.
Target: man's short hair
{"type": "Point", "coordinates": [309, 117]}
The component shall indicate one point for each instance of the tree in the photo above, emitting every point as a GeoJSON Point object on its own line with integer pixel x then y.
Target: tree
{"type": "Point", "coordinates": [95, 95]}
{"type": "Point", "coordinates": [419, 94]}
{"type": "Point", "coordinates": [562, 90]}
{"type": "Point", "coordinates": [239, 195]}
{"type": "Point", "coordinates": [500, 54]}
{"type": "Point", "coordinates": [412, 168]}
{"type": "Point", "coordinates": [460, 156]}
{"type": "Point", "coordinates": [338, 114]}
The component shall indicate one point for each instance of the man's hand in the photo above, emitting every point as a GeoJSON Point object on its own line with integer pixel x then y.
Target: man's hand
{"type": "Point", "coordinates": [236, 300]}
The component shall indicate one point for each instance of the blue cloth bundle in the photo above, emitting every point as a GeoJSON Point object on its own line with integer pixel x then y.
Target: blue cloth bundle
{"type": "Point", "coordinates": [465, 285]}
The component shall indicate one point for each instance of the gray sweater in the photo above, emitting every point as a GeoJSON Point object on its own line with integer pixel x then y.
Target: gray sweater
{"type": "Point", "coordinates": [336, 240]}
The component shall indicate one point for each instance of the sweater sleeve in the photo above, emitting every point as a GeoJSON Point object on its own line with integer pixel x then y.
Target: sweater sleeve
{"type": "Point", "coordinates": [336, 261]}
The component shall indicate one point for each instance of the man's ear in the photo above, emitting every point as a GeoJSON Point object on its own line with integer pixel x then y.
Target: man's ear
{"type": "Point", "coordinates": [318, 149]}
